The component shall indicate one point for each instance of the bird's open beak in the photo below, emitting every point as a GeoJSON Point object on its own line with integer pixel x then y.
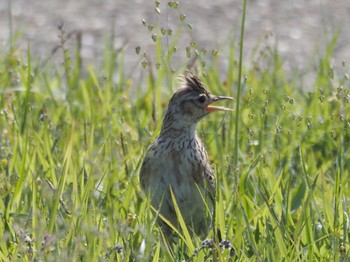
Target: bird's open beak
{"type": "Point", "coordinates": [211, 108]}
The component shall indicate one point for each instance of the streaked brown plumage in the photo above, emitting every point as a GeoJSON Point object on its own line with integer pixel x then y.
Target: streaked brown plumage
{"type": "Point", "coordinates": [178, 160]}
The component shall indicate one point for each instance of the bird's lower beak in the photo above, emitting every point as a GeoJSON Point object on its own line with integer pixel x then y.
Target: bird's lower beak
{"type": "Point", "coordinates": [211, 108]}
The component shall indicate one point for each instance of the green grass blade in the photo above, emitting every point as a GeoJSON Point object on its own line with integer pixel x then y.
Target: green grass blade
{"type": "Point", "coordinates": [239, 84]}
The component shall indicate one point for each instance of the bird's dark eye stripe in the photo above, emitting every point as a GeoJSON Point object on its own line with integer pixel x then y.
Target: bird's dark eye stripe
{"type": "Point", "coordinates": [202, 98]}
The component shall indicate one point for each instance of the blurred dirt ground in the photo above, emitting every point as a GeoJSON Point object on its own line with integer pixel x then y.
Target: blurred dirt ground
{"type": "Point", "coordinates": [300, 28]}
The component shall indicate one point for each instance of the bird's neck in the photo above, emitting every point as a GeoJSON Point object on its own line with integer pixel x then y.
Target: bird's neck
{"type": "Point", "coordinates": [176, 125]}
{"type": "Point", "coordinates": [174, 131]}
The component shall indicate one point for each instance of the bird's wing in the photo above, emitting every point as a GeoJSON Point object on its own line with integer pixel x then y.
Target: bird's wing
{"type": "Point", "coordinates": [209, 177]}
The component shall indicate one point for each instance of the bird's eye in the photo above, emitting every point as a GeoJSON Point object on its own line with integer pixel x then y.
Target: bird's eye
{"type": "Point", "coordinates": [202, 99]}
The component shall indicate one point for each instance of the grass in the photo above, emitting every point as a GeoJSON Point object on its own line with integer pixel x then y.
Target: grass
{"type": "Point", "coordinates": [72, 139]}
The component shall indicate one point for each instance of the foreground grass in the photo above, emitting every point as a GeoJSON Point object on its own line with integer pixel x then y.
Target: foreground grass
{"type": "Point", "coordinates": [72, 140]}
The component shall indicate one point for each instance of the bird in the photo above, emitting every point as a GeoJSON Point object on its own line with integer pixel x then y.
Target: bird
{"type": "Point", "coordinates": [177, 162]}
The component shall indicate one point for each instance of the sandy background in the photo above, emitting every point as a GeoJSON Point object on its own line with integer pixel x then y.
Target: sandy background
{"type": "Point", "coordinates": [301, 28]}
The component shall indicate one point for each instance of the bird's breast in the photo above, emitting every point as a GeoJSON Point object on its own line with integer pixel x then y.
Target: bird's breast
{"type": "Point", "coordinates": [175, 162]}
{"type": "Point", "coordinates": [182, 166]}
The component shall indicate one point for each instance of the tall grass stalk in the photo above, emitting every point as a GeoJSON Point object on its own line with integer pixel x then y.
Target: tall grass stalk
{"type": "Point", "coordinates": [239, 85]}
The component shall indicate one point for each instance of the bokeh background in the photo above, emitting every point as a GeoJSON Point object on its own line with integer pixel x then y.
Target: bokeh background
{"type": "Point", "coordinates": [301, 29]}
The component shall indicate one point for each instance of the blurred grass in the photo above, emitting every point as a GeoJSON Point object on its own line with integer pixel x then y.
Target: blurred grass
{"type": "Point", "coordinates": [72, 139]}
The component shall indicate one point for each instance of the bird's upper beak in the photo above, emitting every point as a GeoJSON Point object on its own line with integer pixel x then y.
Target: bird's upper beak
{"type": "Point", "coordinates": [211, 108]}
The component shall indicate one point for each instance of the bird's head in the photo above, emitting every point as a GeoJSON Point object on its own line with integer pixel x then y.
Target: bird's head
{"type": "Point", "coordinates": [190, 103]}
